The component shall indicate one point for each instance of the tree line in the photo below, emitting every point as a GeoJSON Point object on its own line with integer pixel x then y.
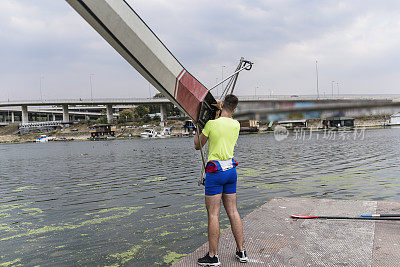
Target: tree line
{"type": "Point", "coordinates": [141, 113]}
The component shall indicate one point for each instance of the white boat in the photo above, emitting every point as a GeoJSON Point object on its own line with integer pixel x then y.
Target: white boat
{"type": "Point", "coordinates": [42, 139]}
{"type": "Point", "coordinates": [395, 119]}
{"type": "Point", "coordinates": [148, 133]}
{"type": "Point", "coordinates": [166, 132]}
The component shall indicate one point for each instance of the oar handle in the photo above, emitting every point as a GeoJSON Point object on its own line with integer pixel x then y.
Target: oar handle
{"type": "Point", "coordinates": [394, 218]}
{"type": "Point", "coordinates": [380, 215]}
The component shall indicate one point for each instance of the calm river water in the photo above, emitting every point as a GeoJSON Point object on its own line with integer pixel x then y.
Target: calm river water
{"type": "Point", "coordinates": [136, 202]}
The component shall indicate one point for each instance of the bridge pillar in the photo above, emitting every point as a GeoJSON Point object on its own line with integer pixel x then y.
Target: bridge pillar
{"type": "Point", "coordinates": [163, 111]}
{"type": "Point", "coordinates": [109, 113]}
{"type": "Point", "coordinates": [54, 117]}
{"type": "Point", "coordinates": [65, 113]}
{"type": "Point", "coordinates": [12, 117]}
{"type": "Point", "coordinates": [24, 116]}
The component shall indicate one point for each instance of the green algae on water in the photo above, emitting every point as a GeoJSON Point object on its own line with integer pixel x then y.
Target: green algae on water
{"type": "Point", "coordinates": [155, 179]}
{"type": "Point", "coordinates": [190, 206]}
{"type": "Point", "coordinates": [32, 211]}
{"type": "Point", "coordinates": [20, 189]}
{"type": "Point", "coordinates": [10, 263]}
{"type": "Point", "coordinates": [124, 211]}
{"type": "Point", "coordinates": [6, 228]}
{"type": "Point", "coordinates": [9, 207]}
{"type": "Point", "coordinates": [127, 255]}
{"type": "Point", "coordinates": [173, 257]}
{"type": "Point", "coordinates": [166, 233]}
{"type": "Point", "coordinates": [191, 228]}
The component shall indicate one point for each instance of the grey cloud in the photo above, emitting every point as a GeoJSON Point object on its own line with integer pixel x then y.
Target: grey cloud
{"type": "Point", "coordinates": [353, 40]}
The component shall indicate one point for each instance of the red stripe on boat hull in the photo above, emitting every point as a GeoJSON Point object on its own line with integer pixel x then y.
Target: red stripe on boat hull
{"type": "Point", "coordinates": [190, 94]}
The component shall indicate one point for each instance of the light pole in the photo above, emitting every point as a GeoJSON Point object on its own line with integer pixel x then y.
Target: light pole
{"type": "Point", "coordinates": [40, 87]}
{"type": "Point", "coordinates": [216, 81]}
{"type": "Point", "coordinates": [149, 92]}
{"type": "Point", "coordinates": [316, 70]}
{"type": "Point", "coordinates": [332, 87]}
{"type": "Point", "coordinates": [337, 85]}
{"type": "Point", "coordinates": [91, 86]}
{"type": "Point", "coordinates": [222, 74]}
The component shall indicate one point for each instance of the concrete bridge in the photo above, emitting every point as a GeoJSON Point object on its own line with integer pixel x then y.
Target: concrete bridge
{"type": "Point", "coordinates": [274, 104]}
{"type": "Point", "coordinates": [75, 107]}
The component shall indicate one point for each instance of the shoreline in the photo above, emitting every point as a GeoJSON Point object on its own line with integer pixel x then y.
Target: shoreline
{"type": "Point", "coordinates": [80, 132]}
{"type": "Point", "coordinates": [83, 137]}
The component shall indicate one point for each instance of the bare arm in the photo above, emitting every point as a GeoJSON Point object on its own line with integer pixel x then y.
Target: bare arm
{"type": "Point", "coordinates": [203, 140]}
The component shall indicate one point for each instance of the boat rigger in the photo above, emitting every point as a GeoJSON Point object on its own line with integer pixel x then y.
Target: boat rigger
{"type": "Point", "coordinates": [129, 35]}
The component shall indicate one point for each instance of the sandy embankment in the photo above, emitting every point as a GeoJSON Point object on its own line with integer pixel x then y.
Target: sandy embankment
{"type": "Point", "coordinates": [79, 132]}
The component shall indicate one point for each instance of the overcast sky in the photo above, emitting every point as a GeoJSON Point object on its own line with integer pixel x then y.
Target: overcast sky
{"type": "Point", "coordinates": [356, 43]}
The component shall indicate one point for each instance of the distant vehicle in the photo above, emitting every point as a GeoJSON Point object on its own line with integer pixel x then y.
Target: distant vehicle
{"type": "Point", "coordinates": [294, 96]}
{"type": "Point", "coordinates": [148, 133]}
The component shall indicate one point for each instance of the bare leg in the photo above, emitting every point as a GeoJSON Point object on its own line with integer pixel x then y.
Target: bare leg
{"type": "Point", "coordinates": [213, 205]}
{"type": "Point", "coordinates": [230, 205]}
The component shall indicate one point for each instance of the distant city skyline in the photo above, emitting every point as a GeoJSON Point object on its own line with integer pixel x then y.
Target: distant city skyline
{"type": "Point", "coordinates": [50, 52]}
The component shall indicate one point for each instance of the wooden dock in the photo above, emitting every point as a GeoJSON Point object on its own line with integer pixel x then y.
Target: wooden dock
{"type": "Point", "coordinates": [272, 238]}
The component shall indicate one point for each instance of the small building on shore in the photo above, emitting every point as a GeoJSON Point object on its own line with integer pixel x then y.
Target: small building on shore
{"type": "Point", "coordinates": [101, 131]}
{"type": "Point", "coordinates": [293, 124]}
{"type": "Point", "coordinates": [338, 122]}
{"type": "Point", "coordinates": [395, 119]}
{"type": "Point", "coordinates": [249, 126]}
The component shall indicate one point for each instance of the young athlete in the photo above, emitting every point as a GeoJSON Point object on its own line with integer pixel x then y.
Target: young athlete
{"type": "Point", "coordinates": [221, 179]}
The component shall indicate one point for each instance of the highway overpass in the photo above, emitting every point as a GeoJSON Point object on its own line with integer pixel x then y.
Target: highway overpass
{"type": "Point", "coordinates": [248, 106]}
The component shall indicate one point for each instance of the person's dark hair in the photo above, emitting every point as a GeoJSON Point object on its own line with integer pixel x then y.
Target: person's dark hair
{"type": "Point", "coordinates": [230, 102]}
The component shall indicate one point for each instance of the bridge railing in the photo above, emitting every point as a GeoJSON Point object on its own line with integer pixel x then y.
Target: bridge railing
{"type": "Point", "coordinates": [74, 100]}
{"type": "Point", "coordinates": [41, 124]}
{"type": "Point", "coordinates": [116, 101]}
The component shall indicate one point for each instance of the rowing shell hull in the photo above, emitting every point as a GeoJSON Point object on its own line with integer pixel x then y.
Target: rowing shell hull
{"type": "Point", "coordinates": [129, 35]}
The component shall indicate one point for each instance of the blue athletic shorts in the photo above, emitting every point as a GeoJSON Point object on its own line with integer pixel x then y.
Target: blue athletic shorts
{"type": "Point", "coordinates": [221, 182]}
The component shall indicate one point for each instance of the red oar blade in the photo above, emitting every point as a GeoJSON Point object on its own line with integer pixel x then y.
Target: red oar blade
{"type": "Point", "coordinates": [303, 216]}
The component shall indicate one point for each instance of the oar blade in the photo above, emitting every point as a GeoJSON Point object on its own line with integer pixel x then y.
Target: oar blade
{"type": "Point", "coordinates": [295, 216]}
